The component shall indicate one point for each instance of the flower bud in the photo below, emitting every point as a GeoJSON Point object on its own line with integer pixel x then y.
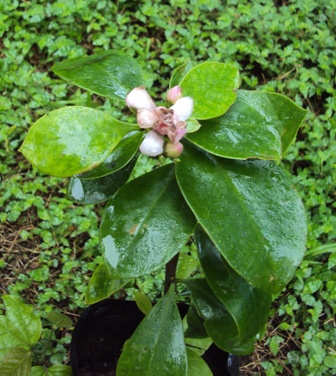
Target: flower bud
{"type": "Point", "coordinates": [183, 108]}
{"type": "Point", "coordinates": [174, 94]}
{"type": "Point", "coordinates": [139, 98]}
{"type": "Point", "coordinates": [146, 118]}
{"type": "Point", "coordinates": [173, 150]}
{"type": "Point", "coordinates": [152, 145]}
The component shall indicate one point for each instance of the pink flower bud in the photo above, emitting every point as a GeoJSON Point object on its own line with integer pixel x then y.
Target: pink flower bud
{"type": "Point", "coordinates": [139, 98]}
{"type": "Point", "coordinates": [173, 150]}
{"type": "Point", "coordinates": [152, 145]}
{"type": "Point", "coordinates": [174, 94]}
{"type": "Point", "coordinates": [183, 108]}
{"type": "Point", "coordinates": [146, 118]}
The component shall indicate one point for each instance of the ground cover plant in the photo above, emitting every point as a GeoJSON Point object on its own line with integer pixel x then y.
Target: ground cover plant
{"type": "Point", "coordinates": [298, 62]}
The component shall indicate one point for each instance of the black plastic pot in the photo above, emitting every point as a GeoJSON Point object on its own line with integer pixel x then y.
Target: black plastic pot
{"type": "Point", "coordinates": [103, 328]}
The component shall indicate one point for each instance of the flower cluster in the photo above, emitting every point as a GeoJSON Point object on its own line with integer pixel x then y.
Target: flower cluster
{"type": "Point", "coordinates": [169, 122]}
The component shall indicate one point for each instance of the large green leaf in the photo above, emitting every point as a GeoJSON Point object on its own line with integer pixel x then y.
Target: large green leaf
{"type": "Point", "coordinates": [20, 327]}
{"type": "Point", "coordinates": [248, 306]}
{"type": "Point", "coordinates": [72, 140]}
{"type": "Point", "coordinates": [17, 362]}
{"type": "Point", "coordinates": [119, 158]}
{"type": "Point", "coordinates": [258, 125]}
{"type": "Point", "coordinates": [218, 323]}
{"type": "Point", "coordinates": [109, 73]}
{"type": "Point", "coordinates": [196, 365]}
{"type": "Point", "coordinates": [102, 285]}
{"type": "Point", "coordinates": [145, 224]}
{"type": "Point", "coordinates": [195, 324]}
{"type": "Point", "coordinates": [157, 346]}
{"type": "Point", "coordinates": [250, 212]}
{"type": "Point", "coordinates": [92, 191]}
{"type": "Point", "coordinates": [278, 111]}
{"type": "Point", "coordinates": [211, 85]}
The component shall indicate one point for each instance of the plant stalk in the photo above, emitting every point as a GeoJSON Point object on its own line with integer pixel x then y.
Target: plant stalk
{"type": "Point", "coordinates": [170, 272]}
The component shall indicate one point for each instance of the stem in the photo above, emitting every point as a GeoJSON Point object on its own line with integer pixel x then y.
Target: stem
{"type": "Point", "coordinates": [170, 272]}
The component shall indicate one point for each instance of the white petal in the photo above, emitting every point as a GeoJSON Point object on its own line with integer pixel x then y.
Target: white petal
{"type": "Point", "coordinates": [183, 108]}
{"type": "Point", "coordinates": [152, 145]}
{"type": "Point", "coordinates": [146, 118]}
{"type": "Point", "coordinates": [139, 98]}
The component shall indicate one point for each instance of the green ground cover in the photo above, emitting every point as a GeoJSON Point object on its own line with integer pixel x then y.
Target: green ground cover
{"type": "Point", "coordinates": [49, 246]}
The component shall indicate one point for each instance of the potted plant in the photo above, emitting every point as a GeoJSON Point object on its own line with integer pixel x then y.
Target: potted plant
{"type": "Point", "coordinates": [220, 186]}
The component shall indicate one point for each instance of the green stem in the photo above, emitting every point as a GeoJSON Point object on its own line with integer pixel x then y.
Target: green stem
{"type": "Point", "coordinates": [170, 272]}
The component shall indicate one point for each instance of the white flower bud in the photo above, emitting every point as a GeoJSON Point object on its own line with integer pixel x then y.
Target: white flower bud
{"type": "Point", "coordinates": [183, 108]}
{"type": "Point", "coordinates": [146, 118]}
{"type": "Point", "coordinates": [152, 145]}
{"type": "Point", "coordinates": [173, 150]}
{"type": "Point", "coordinates": [174, 94]}
{"type": "Point", "coordinates": [139, 98]}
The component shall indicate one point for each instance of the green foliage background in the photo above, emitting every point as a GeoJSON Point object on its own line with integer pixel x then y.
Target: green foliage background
{"type": "Point", "coordinates": [49, 246]}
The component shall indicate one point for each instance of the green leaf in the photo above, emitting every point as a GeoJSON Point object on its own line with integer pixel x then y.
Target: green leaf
{"type": "Point", "coordinates": [218, 322]}
{"type": "Point", "coordinates": [145, 224]}
{"type": "Point", "coordinates": [244, 131]}
{"type": "Point", "coordinates": [102, 285]}
{"type": "Point", "coordinates": [92, 191]}
{"type": "Point", "coordinates": [186, 265]}
{"type": "Point", "coordinates": [258, 125]}
{"type": "Point", "coordinates": [196, 365]}
{"type": "Point", "coordinates": [248, 306]}
{"type": "Point", "coordinates": [157, 345]}
{"type": "Point", "coordinates": [278, 111]}
{"type": "Point", "coordinates": [330, 361]}
{"type": "Point", "coordinates": [55, 370]}
{"type": "Point", "coordinates": [193, 125]}
{"type": "Point", "coordinates": [72, 140]}
{"type": "Point", "coordinates": [199, 345]}
{"type": "Point", "coordinates": [59, 320]}
{"type": "Point", "coordinates": [109, 73]}
{"type": "Point", "coordinates": [211, 85]}
{"type": "Point", "coordinates": [179, 73]}
{"type": "Point", "coordinates": [250, 212]}
{"type": "Point", "coordinates": [195, 324]}
{"type": "Point", "coordinates": [17, 362]}
{"type": "Point", "coordinates": [20, 327]}
{"type": "Point", "coordinates": [143, 302]}
{"type": "Point", "coordinates": [119, 158]}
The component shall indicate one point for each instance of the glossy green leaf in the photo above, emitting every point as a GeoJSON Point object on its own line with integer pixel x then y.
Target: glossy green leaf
{"type": "Point", "coordinates": [218, 322]}
{"type": "Point", "coordinates": [157, 345]}
{"type": "Point", "coordinates": [196, 365]}
{"type": "Point", "coordinates": [279, 111]}
{"type": "Point", "coordinates": [251, 213]}
{"type": "Point", "coordinates": [145, 224]}
{"type": "Point", "coordinates": [109, 73]}
{"type": "Point", "coordinates": [195, 324]}
{"type": "Point", "coordinates": [143, 302]}
{"type": "Point", "coordinates": [212, 87]}
{"type": "Point", "coordinates": [199, 345]}
{"type": "Point", "coordinates": [17, 362]}
{"type": "Point", "coordinates": [20, 327]}
{"type": "Point", "coordinates": [72, 140]}
{"type": "Point", "coordinates": [101, 285]}
{"type": "Point", "coordinates": [59, 320]}
{"type": "Point", "coordinates": [92, 191]}
{"type": "Point", "coordinates": [179, 73]}
{"type": "Point", "coordinates": [119, 158]}
{"type": "Point", "coordinates": [248, 306]}
{"type": "Point", "coordinates": [258, 125]}
{"type": "Point", "coordinates": [55, 370]}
